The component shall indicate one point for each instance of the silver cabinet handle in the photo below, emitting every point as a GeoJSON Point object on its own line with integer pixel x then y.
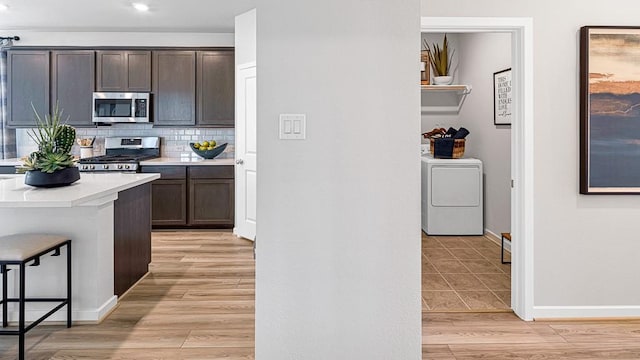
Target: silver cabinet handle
{"type": "Point", "coordinates": [239, 161]}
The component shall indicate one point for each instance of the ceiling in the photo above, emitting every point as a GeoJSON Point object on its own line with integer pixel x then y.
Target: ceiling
{"type": "Point", "coordinates": [119, 15]}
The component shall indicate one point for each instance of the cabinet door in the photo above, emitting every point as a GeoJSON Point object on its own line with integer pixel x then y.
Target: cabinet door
{"type": "Point", "coordinates": [216, 88]}
{"type": "Point", "coordinates": [125, 71]}
{"type": "Point", "coordinates": [73, 84]}
{"type": "Point", "coordinates": [110, 70]}
{"type": "Point", "coordinates": [138, 71]}
{"type": "Point", "coordinates": [169, 202]}
{"type": "Point", "coordinates": [174, 87]}
{"type": "Point", "coordinates": [27, 83]}
{"type": "Point", "coordinates": [211, 202]}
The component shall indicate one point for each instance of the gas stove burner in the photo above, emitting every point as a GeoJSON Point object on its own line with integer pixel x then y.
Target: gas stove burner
{"type": "Point", "coordinates": [123, 154]}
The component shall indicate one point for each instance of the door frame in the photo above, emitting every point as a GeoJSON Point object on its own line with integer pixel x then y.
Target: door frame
{"type": "Point", "coordinates": [522, 147]}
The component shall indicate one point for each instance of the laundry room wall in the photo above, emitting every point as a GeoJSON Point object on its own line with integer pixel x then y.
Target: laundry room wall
{"type": "Point", "coordinates": [484, 54]}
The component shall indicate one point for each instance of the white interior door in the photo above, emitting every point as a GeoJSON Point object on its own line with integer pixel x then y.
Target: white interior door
{"type": "Point", "coordinates": [245, 221]}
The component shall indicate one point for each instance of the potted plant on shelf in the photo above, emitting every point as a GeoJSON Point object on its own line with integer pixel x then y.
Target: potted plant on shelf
{"type": "Point", "coordinates": [52, 165]}
{"type": "Point", "coordinates": [441, 63]}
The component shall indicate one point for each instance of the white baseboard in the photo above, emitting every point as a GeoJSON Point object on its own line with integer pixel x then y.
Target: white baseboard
{"type": "Point", "coordinates": [36, 310]}
{"type": "Point", "coordinates": [585, 312]}
{"type": "Point", "coordinates": [497, 239]}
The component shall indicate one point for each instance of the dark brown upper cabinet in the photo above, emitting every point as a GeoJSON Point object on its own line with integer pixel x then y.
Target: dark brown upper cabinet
{"type": "Point", "coordinates": [27, 83]}
{"type": "Point", "coordinates": [73, 83]}
{"type": "Point", "coordinates": [174, 88]}
{"type": "Point", "coordinates": [216, 88]}
{"type": "Point", "coordinates": [123, 71]}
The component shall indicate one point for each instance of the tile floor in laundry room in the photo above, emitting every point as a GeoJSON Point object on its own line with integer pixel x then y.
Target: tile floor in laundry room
{"type": "Point", "coordinates": [464, 273]}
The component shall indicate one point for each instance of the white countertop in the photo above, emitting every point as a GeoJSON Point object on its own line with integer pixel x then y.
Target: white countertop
{"type": "Point", "coordinates": [10, 162]}
{"type": "Point", "coordinates": [187, 161]}
{"type": "Point", "coordinates": [90, 187]}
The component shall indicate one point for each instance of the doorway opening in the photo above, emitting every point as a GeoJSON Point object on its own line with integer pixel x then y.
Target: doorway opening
{"type": "Point", "coordinates": [521, 145]}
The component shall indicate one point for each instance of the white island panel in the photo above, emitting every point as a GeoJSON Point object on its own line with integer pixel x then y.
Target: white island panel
{"type": "Point", "coordinates": [84, 212]}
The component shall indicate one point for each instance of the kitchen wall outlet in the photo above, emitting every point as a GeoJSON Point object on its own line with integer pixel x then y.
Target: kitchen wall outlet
{"type": "Point", "coordinates": [293, 126]}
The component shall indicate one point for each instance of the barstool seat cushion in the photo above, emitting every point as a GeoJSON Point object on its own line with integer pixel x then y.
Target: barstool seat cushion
{"type": "Point", "coordinates": [20, 247]}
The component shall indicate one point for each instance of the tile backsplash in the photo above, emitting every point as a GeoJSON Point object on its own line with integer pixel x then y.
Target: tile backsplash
{"type": "Point", "coordinates": [174, 142]}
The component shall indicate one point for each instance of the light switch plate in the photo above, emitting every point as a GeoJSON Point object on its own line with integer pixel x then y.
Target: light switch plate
{"type": "Point", "coordinates": [293, 126]}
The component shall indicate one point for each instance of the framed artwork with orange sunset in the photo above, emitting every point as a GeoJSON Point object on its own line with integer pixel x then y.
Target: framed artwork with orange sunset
{"type": "Point", "coordinates": [609, 110]}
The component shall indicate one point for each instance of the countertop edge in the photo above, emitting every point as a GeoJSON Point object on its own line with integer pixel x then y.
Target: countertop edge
{"type": "Point", "coordinates": [187, 162]}
{"type": "Point", "coordinates": [147, 178]}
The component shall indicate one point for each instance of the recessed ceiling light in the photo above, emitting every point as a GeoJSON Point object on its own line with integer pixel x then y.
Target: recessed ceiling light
{"type": "Point", "coordinates": [141, 6]}
{"type": "Point", "coordinates": [4, 7]}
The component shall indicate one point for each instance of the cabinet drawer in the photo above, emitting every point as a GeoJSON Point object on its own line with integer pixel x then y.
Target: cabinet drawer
{"type": "Point", "coordinates": [211, 172]}
{"type": "Point", "coordinates": [167, 172]}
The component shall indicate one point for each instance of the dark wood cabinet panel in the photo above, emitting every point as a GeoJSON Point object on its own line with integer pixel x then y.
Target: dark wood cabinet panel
{"type": "Point", "coordinates": [216, 88]}
{"type": "Point", "coordinates": [27, 83]}
{"type": "Point", "coordinates": [169, 202]}
{"type": "Point", "coordinates": [174, 87]}
{"type": "Point", "coordinates": [110, 74]}
{"type": "Point", "coordinates": [211, 201]}
{"type": "Point", "coordinates": [192, 196]}
{"type": "Point", "coordinates": [73, 84]}
{"type": "Point", "coordinates": [132, 237]}
{"type": "Point", "coordinates": [125, 71]}
{"type": "Point", "coordinates": [7, 169]}
{"type": "Point", "coordinates": [138, 71]}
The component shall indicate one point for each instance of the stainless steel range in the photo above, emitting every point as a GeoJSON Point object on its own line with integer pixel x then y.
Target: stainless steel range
{"type": "Point", "coordinates": [123, 154]}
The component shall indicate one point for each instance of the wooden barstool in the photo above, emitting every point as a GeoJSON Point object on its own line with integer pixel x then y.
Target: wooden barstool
{"type": "Point", "coordinates": [19, 250]}
{"type": "Point", "coordinates": [508, 237]}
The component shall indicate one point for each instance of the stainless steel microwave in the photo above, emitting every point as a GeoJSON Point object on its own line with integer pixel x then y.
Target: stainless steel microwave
{"type": "Point", "coordinates": [115, 107]}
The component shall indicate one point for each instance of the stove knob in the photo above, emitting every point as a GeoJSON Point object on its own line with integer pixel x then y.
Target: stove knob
{"type": "Point", "coordinates": [84, 167]}
{"type": "Point", "coordinates": [119, 167]}
{"type": "Point", "coordinates": [127, 167]}
{"type": "Point", "coordinates": [105, 167]}
{"type": "Point", "coordinates": [92, 167]}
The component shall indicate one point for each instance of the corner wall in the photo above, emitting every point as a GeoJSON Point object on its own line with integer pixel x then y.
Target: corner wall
{"type": "Point", "coordinates": [338, 240]}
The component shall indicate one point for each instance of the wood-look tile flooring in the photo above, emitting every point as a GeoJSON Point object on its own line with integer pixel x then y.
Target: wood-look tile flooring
{"type": "Point", "coordinates": [501, 336]}
{"type": "Point", "coordinates": [464, 273]}
{"type": "Point", "coordinates": [196, 303]}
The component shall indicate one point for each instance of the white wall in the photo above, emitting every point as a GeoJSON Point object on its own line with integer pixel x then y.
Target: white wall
{"type": "Point", "coordinates": [172, 39]}
{"type": "Point", "coordinates": [484, 54]}
{"type": "Point", "coordinates": [245, 37]}
{"type": "Point", "coordinates": [586, 247]}
{"type": "Point", "coordinates": [338, 241]}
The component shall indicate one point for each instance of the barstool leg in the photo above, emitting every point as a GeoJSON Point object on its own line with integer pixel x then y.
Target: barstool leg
{"type": "Point", "coordinates": [5, 320]}
{"type": "Point", "coordinates": [21, 314]}
{"type": "Point", "coordinates": [69, 311]}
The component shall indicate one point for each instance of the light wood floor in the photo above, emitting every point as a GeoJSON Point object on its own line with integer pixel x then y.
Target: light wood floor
{"type": "Point", "coordinates": [198, 303]}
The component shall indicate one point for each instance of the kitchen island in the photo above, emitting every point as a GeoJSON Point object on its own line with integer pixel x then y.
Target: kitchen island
{"type": "Point", "coordinates": [108, 219]}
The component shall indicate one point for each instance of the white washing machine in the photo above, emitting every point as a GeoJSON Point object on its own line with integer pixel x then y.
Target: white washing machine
{"type": "Point", "coordinates": [452, 196]}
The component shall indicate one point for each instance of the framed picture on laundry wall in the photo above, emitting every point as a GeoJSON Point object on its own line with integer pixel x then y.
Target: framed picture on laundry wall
{"type": "Point", "coordinates": [502, 96]}
{"type": "Point", "coordinates": [609, 110]}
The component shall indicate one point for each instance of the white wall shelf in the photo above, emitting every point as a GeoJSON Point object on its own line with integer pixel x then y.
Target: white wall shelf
{"type": "Point", "coordinates": [439, 99]}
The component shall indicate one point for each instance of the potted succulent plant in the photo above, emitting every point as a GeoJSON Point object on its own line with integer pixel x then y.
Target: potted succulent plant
{"type": "Point", "coordinates": [440, 60]}
{"type": "Point", "coordinates": [52, 165]}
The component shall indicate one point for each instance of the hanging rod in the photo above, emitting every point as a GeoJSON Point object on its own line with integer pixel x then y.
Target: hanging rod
{"type": "Point", "coordinates": [14, 38]}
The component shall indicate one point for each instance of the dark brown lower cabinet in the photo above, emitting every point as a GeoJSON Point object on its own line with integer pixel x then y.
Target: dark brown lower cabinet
{"type": "Point", "coordinates": [7, 169]}
{"type": "Point", "coordinates": [132, 237]}
{"type": "Point", "coordinates": [211, 196]}
{"type": "Point", "coordinates": [193, 196]}
{"type": "Point", "coordinates": [169, 198]}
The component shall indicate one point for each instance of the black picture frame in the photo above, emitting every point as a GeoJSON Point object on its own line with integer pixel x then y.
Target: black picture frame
{"type": "Point", "coordinates": [609, 117]}
{"type": "Point", "coordinates": [502, 97]}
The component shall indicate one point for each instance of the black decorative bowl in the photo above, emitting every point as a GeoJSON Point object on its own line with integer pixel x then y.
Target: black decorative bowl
{"type": "Point", "coordinates": [209, 154]}
{"type": "Point", "coordinates": [64, 177]}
